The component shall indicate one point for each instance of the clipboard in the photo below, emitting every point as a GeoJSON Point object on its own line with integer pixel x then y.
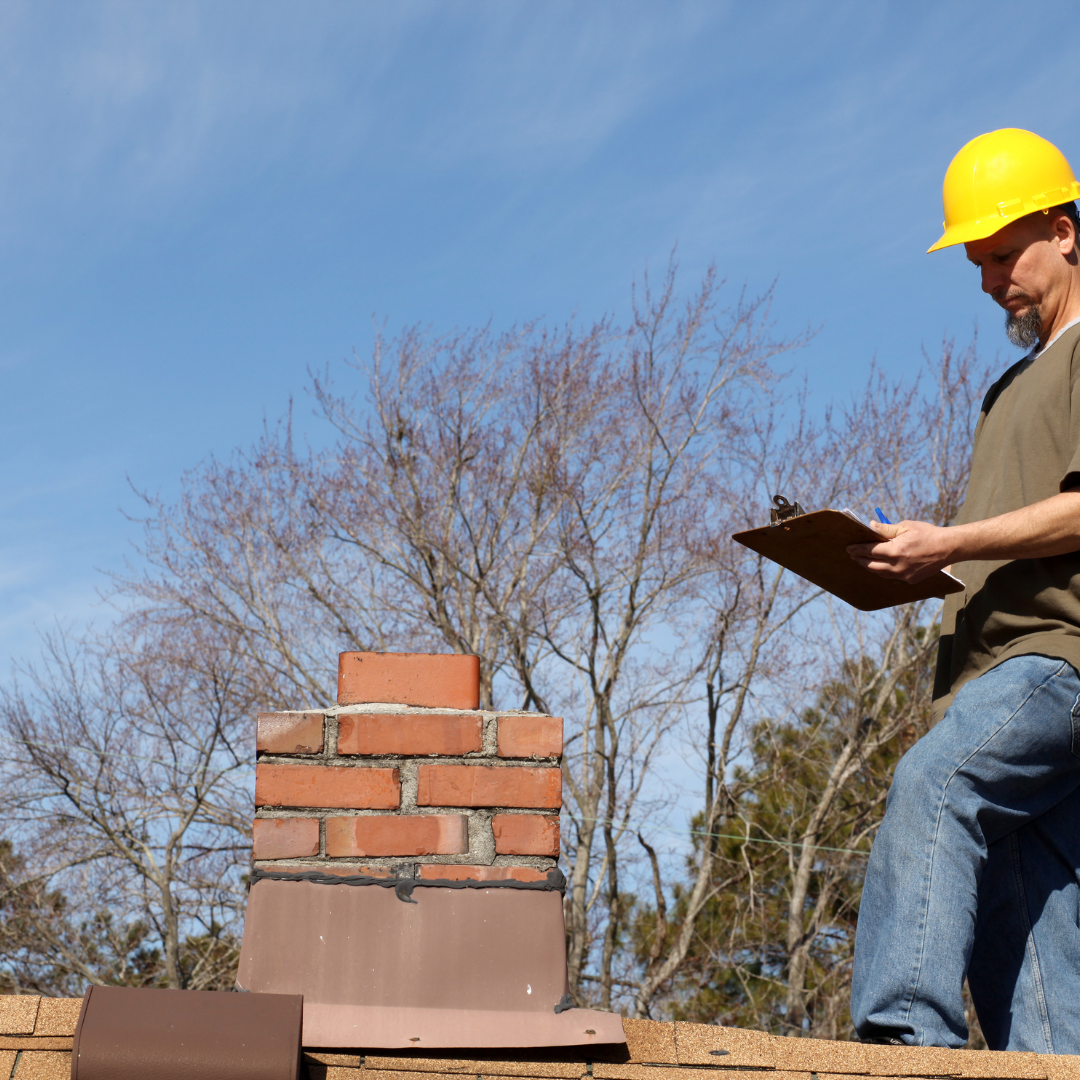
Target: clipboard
{"type": "Point", "coordinates": [814, 547]}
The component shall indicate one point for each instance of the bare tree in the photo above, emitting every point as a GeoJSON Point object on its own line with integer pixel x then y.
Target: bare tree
{"type": "Point", "coordinates": [540, 500]}
{"type": "Point", "coordinates": [630, 539]}
{"type": "Point", "coordinates": [128, 781]}
{"type": "Point", "coordinates": [559, 504]}
{"type": "Point", "coordinates": [811, 788]}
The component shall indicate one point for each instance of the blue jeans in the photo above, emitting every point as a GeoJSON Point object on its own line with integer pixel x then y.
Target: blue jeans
{"type": "Point", "coordinates": [976, 872]}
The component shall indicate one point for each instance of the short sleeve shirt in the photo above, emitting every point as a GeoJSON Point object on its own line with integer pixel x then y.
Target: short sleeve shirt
{"type": "Point", "coordinates": [1027, 448]}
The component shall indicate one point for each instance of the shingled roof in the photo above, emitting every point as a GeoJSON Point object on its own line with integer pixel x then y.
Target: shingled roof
{"type": "Point", "coordinates": [678, 1051]}
{"type": "Point", "coordinates": [36, 1036]}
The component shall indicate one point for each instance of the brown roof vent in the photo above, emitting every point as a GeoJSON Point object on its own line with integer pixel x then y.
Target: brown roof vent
{"type": "Point", "coordinates": [131, 1034]}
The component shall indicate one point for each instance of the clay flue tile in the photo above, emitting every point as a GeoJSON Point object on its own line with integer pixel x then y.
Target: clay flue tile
{"type": "Point", "coordinates": [650, 1040]}
{"type": "Point", "coordinates": [43, 1065]}
{"type": "Point", "coordinates": [558, 1070]}
{"type": "Point", "coordinates": [18, 1013]}
{"type": "Point", "coordinates": [695, 1045]}
{"type": "Point", "coordinates": [57, 1016]}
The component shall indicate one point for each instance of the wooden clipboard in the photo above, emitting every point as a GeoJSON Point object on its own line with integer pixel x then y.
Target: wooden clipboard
{"type": "Point", "coordinates": [814, 547]}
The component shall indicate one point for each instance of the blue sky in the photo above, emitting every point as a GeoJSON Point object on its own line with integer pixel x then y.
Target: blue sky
{"type": "Point", "coordinates": [198, 201]}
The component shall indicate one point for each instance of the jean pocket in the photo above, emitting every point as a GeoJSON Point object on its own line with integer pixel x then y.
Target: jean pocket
{"type": "Point", "coordinates": [1075, 718]}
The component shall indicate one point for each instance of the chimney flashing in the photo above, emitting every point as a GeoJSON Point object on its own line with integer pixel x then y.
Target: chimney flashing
{"type": "Point", "coordinates": [441, 821]}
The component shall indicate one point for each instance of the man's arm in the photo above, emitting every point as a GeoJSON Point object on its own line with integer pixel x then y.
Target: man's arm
{"type": "Point", "coordinates": [913, 550]}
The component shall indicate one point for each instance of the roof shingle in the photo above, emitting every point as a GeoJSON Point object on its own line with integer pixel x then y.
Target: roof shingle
{"type": "Point", "coordinates": [654, 1051]}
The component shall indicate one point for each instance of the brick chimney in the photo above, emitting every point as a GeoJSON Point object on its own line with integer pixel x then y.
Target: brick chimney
{"type": "Point", "coordinates": [407, 777]}
{"type": "Point", "coordinates": [405, 876]}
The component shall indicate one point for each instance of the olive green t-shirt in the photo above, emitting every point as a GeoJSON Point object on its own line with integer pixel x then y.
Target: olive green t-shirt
{"type": "Point", "coordinates": [1027, 448]}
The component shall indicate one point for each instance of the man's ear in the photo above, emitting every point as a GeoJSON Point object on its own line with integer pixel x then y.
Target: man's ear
{"type": "Point", "coordinates": [1065, 231]}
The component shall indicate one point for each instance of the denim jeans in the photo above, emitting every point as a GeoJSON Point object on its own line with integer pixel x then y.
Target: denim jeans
{"type": "Point", "coordinates": [976, 872]}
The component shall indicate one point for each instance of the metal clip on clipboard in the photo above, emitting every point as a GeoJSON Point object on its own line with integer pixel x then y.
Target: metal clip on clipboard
{"type": "Point", "coordinates": [782, 510]}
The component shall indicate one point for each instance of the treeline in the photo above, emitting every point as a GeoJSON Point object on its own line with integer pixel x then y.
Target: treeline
{"type": "Point", "coordinates": [559, 503]}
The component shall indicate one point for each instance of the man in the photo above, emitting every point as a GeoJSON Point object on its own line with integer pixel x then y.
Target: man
{"type": "Point", "coordinates": [976, 867]}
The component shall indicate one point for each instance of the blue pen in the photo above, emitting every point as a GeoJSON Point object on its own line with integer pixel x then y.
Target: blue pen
{"type": "Point", "coordinates": [881, 517]}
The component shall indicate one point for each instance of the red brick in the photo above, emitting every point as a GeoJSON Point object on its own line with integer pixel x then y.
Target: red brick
{"type": "Point", "coordinates": [438, 681]}
{"type": "Point", "coordinates": [395, 733]}
{"type": "Point", "coordinates": [486, 785]}
{"type": "Point", "coordinates": [526, 834]}
{"type": "Point", "coordinates": [457, 872]}
{"type": "Point", "coordinates": [289, 733]}
{"type": "Point", "coordinates": [285, 838]}
{"type": "Point", "coordinates": [386, 834]}
{"type": "Point", "coordinates": [327, 785]}
{"type": "Point", "coordinates": [530, 736]}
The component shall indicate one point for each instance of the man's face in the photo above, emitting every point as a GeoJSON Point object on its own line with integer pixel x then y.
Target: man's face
{"type": "Point", "coordinates": [1025, 265]}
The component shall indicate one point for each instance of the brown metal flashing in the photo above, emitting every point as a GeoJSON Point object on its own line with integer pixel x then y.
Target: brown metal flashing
{"type": "Point", "coordinates": [463, 968]}
{"type": "Point", "coordinates": [377, 1026]}
{"type": "Point", "coordinates": [130, 1034]}
{"type": "Point", "coordinates": [483, 949]}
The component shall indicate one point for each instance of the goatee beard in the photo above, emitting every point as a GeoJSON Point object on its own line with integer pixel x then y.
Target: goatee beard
{"type": "Point", "coordinates": [1023, 330]}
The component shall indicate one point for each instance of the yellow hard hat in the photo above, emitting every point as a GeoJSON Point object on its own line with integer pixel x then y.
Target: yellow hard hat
{"type": "Point", "coordinates": [999, 177]}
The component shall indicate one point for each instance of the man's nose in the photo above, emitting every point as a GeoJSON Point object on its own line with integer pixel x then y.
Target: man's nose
{"type": "Point", "coordinates": [992, 279]}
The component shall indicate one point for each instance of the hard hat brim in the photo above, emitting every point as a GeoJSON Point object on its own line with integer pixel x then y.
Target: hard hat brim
{"type": "Point", "coordinates": [981, 228]}
{"type": "Point", "coordinates": [970, 230]}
